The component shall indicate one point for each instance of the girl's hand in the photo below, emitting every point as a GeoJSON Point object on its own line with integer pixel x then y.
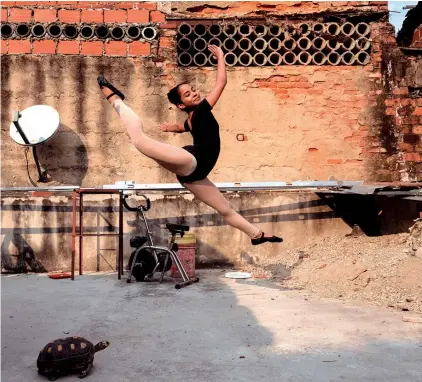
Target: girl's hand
{"type": "Point", "coordinates": [216, 51]}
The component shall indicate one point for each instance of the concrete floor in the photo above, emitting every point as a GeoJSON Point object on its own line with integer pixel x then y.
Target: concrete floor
{"type": "Point", "coordinates": [201, 333]}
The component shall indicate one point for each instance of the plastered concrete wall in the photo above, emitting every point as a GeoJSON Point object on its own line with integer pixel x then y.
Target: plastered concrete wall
{"type": "Point", "coordinates": [45, 227]}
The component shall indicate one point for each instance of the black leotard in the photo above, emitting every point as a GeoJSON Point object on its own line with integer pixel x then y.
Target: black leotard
{"type": "Point", "coordinates": [206, 142]}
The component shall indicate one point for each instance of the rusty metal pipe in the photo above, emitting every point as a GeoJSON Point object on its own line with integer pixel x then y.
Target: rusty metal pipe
{"type": "Point", "coordinates": [333, 45]}
{"type": "Point", "coordinates": [333, 29]}
{"type": "Point", "coordinates": [274, 44]}
{"type": "Point", "coordinates": [102, 31]}
{"type": "Point", "coordinates": [54, 30]}
{"type": "Point", "coordinates": [289, 58]}
{"type": "Point", "coordinates": [259, 44]}
{"type": "Point", "coordinates": [38, 30]}
{"type": "Point", "coordinates": [229, 30]}
{"type": "Point", "coordinates": [230, 44]}
{"type": "Point", "coordinates": [117, 33]}
{"type": "Point", "coordinates": [289, 44]}
{"type": "Point", "coordinates": [362, 58]}
{"type": "Point", "coordinates": [319, 43]}
{"type": "Point", "coordinates": [319, 58]}
{"type": "Point", "coordinates": [260, 59]}
{"type": "Point", "coordinates": [200, 59]}
{"type": "Point", "coordinates": [260, 30]}
{"type": "Point", "coordinates": [363, 29]}
{"type": "Point", "coordinates": [6, 30]}
{"type": "Point", "coordinates": [200, 30]}
{"type": "Point", "coordinates": [200, 44]}
{"type": "Point", "coordinates": [184, 29]}
{"type": "Point", "coordinates": [363, 43]}
{"type": "Point", "coordinates": [184, 59]}
{"type": "Point", "coordinates": [348, 29]}
{"type": "Point", "coordinates": [348, 58]}
{"type": "Point", "coordinates": [333, 58]}
{"type": "Point", "coordinates": [133, 32]}
{"type": "Point", "coordinates": [304, 58]}
{"type": "Point", "coordinates": [318, 28]}
{"type": "Point", "coordinates": [87, 32]}
{"type": "Point", "coordinates": [244, 30]}
{"type": "Point", "coordinates": [275, 58]}
{"type": "Point", "coordinates": [230, 59]}
{"type": "Point", "coordinates": [23, 30]}
{"type": "Point", "coordinates": [304, 43]}
{"type": "Point", "coordinates": [214, 30]}
{"type": "Point", "coordinates": [184, 44]}
{"type": "Point", "coordinates": [275, 30]}
{"type": "Point", "coordinates": [348, 44]}
{"type": "Point", "coordinates": [245, 59]}
{"type": "Point", "coordinates": [149, 33]}
{"type": "Point", "coordinates": [304, 29]}
{"type": "Point", "coordinates": [245, 44]}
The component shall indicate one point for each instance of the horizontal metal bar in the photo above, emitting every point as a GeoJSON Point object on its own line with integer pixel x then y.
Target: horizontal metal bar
{"type": "Point", "coordinates": [98, 234]}
{"type": "Point", "coordinates": [28, 189]}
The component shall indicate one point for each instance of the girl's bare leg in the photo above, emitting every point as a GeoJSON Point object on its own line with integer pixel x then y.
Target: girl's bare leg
{"type": "Point", "coordinates": [206, 191]}
{"type": "Point", "coordinates": [172, 158]}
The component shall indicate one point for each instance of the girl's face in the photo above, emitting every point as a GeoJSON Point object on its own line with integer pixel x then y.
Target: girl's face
{"type": "Point", "coordinates": [189, 95]}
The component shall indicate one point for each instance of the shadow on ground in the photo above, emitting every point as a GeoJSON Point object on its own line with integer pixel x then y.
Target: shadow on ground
{"type": "Point", "coordinates": [217, 330]}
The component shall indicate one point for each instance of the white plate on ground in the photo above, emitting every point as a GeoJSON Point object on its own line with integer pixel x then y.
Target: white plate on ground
{"type": "Point", "coordinates": [238, 275]}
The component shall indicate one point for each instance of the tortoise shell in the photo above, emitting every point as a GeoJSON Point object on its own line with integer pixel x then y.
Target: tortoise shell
{"type": "Point", "coordinates": [67, 355]}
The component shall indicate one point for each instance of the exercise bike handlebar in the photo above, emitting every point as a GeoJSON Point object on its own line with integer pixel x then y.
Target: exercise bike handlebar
{"type": "Point", "coordinates": [144, 208]}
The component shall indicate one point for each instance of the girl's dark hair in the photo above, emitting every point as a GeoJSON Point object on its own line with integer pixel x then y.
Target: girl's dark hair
{"type": "Point", "coordinates": [174, 96]}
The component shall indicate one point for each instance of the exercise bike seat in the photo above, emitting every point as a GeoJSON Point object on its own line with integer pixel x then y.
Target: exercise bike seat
{"type": "Point", "coordinates": [177, 227]}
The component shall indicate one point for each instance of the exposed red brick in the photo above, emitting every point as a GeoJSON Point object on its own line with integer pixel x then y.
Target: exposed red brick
{"type": "Point", "coordinates": [401, 91]}
{"type": "Point", "coordinates": [3, 47]}
{"type": "Point", "coordinates": [44, 194]}
{"type": "Point", "coordinates": [19, 46]}
{"type": "Point", "coordinates": [45, 15]}
{"type": "Point", "coordinates": [406, 147]}
{"type": "Point", "coordinates": [157, 16]}
{"type": "Point", "coordinates": [334, 161]}
{"type": "Point", "coordinates": [20, 15]}
{"type": "Point", "coordinates": [417, 129]}
{"type": "Point", "coordinates": [390, 111]}
{"type": "Point", "coordinates": [8, 3]}
{"type": "Point", "coordinates": [3, 15]}
{"type": "Point", "coordinates": [69, 16]}
{"type": "Point", "coordinates": [138, 48]}
{"type": "Point", "coordinates": [92, 15]}
{"type": "Point", "coordinates": [412, 157]}
{"type": "Point", "coordinates": [167, 42]}
{"type": "Point", "coordinates": [417, 111]}
{"type": "Point", "coordinates": [146, 5]}
{"type": "Point", "coordinates": [27, 3]}
{"type": "Point", "coordinates": [169, 25]}
{"type": "Point", "coordinates": [115, 48]}
{"type": "Point", "coordinates": [112, 16]}
{"type": "Point", "coordinates": [377, 150]}
{"type": "Point", "coordinates": [124, 5]}
{"type": "Point", "coordinates": [137, 16]}
{"type": "Point", "coordinates": [419, 101]}
{"type": "Point", "coordinates": [68, 47]}
{"type": "Point", "coordinates": [44, 47]}
{"type": "Point", "coordinates": [92, 48]}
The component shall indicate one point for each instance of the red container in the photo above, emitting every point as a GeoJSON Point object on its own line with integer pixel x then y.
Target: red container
{"type": "Point", "coordinates": [186, 256]}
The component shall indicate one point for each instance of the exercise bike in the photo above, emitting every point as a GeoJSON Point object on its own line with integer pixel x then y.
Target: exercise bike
{"type": "Point", "coordinates": [147, 258]}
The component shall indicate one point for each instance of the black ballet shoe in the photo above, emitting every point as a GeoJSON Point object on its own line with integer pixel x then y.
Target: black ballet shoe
{"type": "Point", "coordinates": [262, 239]}
{"type": "Point", "coordinates": [102, 82]}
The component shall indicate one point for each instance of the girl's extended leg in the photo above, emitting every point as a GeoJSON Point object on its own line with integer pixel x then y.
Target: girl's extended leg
{"type": "Point", "coordinates": [174, 159]}
{"type": "Point", "coordinates": [206, 191]}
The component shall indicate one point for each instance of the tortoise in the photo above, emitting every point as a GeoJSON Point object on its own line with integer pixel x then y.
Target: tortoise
{"type": "Point", "coordinates": [68, 355]}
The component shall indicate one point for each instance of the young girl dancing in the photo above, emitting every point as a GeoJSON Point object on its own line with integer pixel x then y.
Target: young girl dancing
{"type": "Point", "coordinates": [192, 163]}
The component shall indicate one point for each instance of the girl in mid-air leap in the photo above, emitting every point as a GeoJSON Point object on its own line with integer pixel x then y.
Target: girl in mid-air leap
{"type": "Point", "coordinates": [191, 164]}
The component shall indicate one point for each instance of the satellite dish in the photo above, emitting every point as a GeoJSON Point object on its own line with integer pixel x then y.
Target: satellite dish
{"type": "Point", "coordinates": [32, 127]}
{"type": "Point", "coordinates": [38, 123]}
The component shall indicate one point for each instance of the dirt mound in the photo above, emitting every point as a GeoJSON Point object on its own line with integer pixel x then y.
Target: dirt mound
{"type": "Point", "coordinates": [385, 270]}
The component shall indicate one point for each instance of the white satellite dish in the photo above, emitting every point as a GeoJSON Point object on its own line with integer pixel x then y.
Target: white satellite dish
{"type": "Point", "coordinates": [32, 127]}
{"type": "Point", "coordinates": [38, 123]}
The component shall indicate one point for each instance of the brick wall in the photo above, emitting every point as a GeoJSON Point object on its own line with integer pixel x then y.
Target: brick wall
{"type": "Point", "coordinates": [300, 122]}
{"type": "Point", "coordinates": [417, 37]}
